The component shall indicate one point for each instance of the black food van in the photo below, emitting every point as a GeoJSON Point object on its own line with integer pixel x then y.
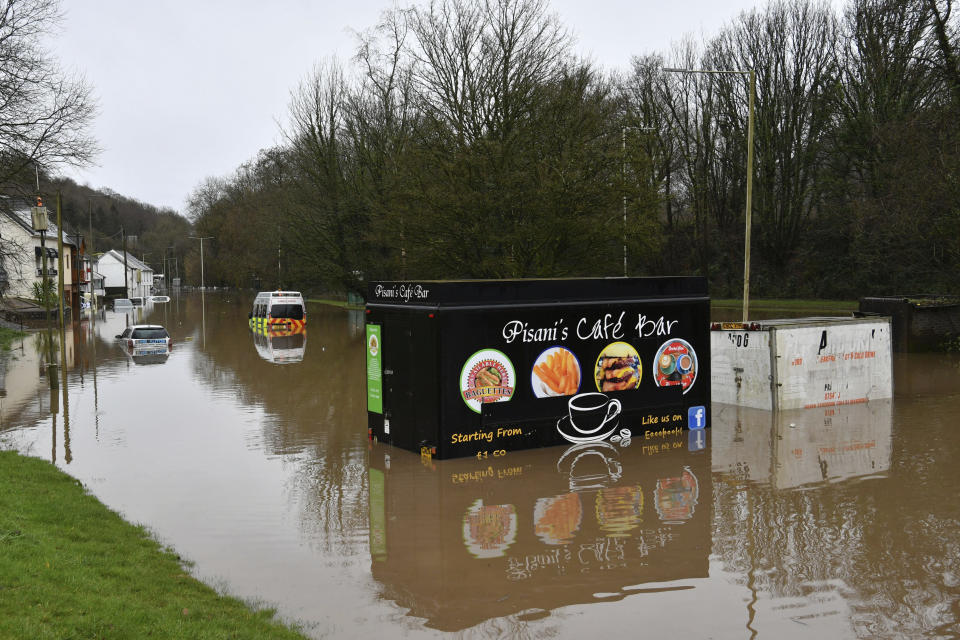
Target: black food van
{"type": "Point", "coordinates": [479, 368]}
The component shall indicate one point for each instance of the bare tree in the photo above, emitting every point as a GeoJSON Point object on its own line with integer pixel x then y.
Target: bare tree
{"type": "Point", "coordinates": [479, 62]}
{"type": "Point", "coordinates": [792, 46]}
{"type": "Point", "coordinates": [44, 111]}
{"type": "Point", "coordinates": [946, 36]}
{"type": "Point", "coordinates": [330, 229]}
{"type": "Point", "coordinates": [379, 126]}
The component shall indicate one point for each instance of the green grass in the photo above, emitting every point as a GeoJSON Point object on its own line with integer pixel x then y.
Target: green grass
{"type": "Point", "coordinates": [336, 303]}
{"type": "Point", "coordinates": [71, 568]}
{"type": "Point", "coordinates": [787, 305]}
{"type": "Point", "coordinates": [7, 336]}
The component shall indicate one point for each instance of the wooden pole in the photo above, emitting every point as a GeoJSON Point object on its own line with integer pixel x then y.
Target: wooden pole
{"type": "Point", "coordinates": [59, 259]}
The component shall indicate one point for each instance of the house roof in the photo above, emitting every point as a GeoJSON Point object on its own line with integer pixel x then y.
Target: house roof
{"type": "Point", "coordinates": [22, 216]}
{"type": "Point", "coordinates": [132, 262]}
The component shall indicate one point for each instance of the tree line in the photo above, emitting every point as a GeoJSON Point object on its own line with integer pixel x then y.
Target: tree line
{"type": "Point", "coordinates": [466, 140]}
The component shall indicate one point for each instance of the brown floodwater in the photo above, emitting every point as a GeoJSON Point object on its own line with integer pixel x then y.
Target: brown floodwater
{"type": "Point", "coordinates": [250, 457]}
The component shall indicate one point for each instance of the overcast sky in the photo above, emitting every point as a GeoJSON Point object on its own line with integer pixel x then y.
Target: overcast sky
{"type": "Point", "coordinates": [193, 89]}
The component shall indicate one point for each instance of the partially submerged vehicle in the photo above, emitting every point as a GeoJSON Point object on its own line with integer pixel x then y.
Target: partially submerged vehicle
{"type": "Point", "coordinates": [278, 310]}
{"type": "Point", "coordinates": [145, 340]}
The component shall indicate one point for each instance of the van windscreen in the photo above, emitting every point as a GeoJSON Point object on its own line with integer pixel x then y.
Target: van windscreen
{"type": "Point", "coordinates": [290, 311]}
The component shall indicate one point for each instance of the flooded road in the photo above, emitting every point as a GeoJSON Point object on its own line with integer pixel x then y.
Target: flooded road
{"type": "Point", "coordinates": [842, 522]}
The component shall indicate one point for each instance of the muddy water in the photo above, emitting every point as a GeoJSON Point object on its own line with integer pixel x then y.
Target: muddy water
{"type": "Point", "coordinates": [841, 522]}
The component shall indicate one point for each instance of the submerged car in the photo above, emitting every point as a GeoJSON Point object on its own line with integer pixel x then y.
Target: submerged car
{"type": "Point", "coordinates": [122, 304]}
{"type": "Point", "coordinates": [145, 340]}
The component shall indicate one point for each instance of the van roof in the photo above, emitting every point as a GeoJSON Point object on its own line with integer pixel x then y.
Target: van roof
{"type": "Point", "coordinates": [279, 294]}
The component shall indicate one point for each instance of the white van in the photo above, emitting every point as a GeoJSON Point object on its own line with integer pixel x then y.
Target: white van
{"type": "Point", "coordinates": [278, 310]}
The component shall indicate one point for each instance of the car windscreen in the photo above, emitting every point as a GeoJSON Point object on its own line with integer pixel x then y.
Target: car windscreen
{"type": "Point", "coordinates": [149, 334]}
{"type": "Point", "coordinates": [289, 311]}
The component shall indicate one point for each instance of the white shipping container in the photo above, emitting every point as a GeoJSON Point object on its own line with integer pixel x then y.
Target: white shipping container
{"type": "Point", "coordinates": [803, 363]}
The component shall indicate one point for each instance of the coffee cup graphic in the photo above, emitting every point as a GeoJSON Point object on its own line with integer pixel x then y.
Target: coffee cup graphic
{"type": "Point", "coordinates": [590, 412]}
{"type": "Point", "coordinates": [667, 363]}
{"type": "Point", "coordinates": [684, 363]}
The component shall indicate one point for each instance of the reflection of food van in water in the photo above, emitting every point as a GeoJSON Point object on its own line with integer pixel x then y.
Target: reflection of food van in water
{"type": "Point", "coordinates": [280, 347]}
{"type": "Point", "coordinates": [278, 310]}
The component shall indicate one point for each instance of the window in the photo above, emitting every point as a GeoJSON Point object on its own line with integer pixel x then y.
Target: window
{"type": "Point", "coordinates": [150, 334]}
{"type": "Point", "coordinates": [290, 311]}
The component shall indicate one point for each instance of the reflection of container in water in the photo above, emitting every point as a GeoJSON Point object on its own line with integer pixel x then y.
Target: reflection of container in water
{"type": "Point", "coordinates": [556, 520]}
{"type": "Point", "coordinates": [676, 498]}
{"type": "Point", "coordinates": [489, 530]}
{"type": "Point", "coordinates": [591, 465]}
{"type": "Point", "coordinates": [619, 509]}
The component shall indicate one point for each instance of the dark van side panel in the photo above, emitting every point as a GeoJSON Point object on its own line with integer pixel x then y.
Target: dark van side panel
{"type": "Point", "coordinates": [410, 412]}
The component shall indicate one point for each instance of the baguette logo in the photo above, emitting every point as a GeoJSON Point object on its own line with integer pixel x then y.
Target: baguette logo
{"type": "Point", "coordinates": [487, 376]}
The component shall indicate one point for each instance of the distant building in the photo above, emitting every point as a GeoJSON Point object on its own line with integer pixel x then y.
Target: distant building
{"type": "Point", "coordinates": [139, 278]}
{"type": "Point", "coordinates": [21, 257]}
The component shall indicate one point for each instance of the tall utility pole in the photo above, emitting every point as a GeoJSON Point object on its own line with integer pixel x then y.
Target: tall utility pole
{"type": "Point", "coordinates": [201, 239]}
{"type": "Point", "coordinates": [126, 284]}
{"type": "Point", "coordinates": [167, 271]}
{"type": "Point", "coordinates": [39, 214]}
{"type": "Point", "coordinates": [752, 78]}
{"type": "Point", "coordinates": [59, 259]}
{"type": "Point", "coordinates": [40, 224]}
{"type": "Point", "coordinates": [90, 222]}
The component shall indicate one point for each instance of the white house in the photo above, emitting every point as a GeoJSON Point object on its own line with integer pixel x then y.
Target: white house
{"type": "Point", "coordinates": [21, 258]}
{"type": "Point", "coordinates": [139, 278]}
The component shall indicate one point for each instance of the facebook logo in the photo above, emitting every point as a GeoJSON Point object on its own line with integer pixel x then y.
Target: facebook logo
{"type": "Point", "coordinates": [696, 417]}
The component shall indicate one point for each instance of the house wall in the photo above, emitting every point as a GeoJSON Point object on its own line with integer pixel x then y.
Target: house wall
{"type": "Point", "coordinates": [19, 266]}
{"type": "Point", "coordinates": [22, 262]}
{"type": "Point", "coordinates": [112, 270]}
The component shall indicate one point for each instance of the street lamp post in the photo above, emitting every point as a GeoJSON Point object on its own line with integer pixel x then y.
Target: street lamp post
{"type": "Point", "coordinates": [751, 73]}
{"type": "Point", "coordinates": [167, 271]}
{"type": "Point", "coordinates": [201, 239]}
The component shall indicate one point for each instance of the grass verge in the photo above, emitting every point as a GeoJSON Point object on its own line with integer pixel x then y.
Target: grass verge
{"type": "Point", "coordinates": [7, 336]}
{"type": "Point", "coordinates": [336, 303]}
{"type": "Point", "coordinates": [71, 568]}
{"type": "Point", "coordinates": [787, 305]}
